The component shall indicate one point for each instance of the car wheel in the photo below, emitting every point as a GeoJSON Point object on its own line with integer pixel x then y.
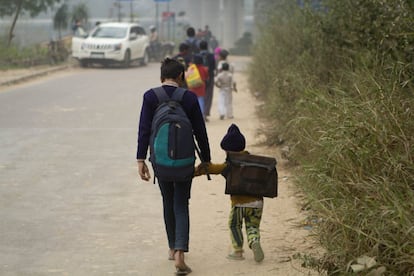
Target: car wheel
{"type": "Point", "coordinates": [127, 59]}
{"type": "Point", "coordinates": [145, 58]}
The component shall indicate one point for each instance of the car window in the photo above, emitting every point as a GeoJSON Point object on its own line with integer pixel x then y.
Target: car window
{"type": "Point", "coordinates": [134, 30]}
{"type": "Point", "coordinates": [140, 31]}
{"type": "Point", "coordinates": [110, 32]}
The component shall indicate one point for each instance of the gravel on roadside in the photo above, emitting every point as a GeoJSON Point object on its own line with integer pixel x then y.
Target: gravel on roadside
{"type": "Point", "coordinates": [14, 76]}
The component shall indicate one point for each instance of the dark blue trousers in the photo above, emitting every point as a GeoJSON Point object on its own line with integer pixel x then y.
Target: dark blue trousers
{"type": "Point", "coordinates": [175, 197]}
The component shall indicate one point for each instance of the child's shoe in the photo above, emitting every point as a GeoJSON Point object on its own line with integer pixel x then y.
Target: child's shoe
{"type": "Point", "coordinates": [236, 255]}
{"type": "Point", "coordinates": [257, 251]}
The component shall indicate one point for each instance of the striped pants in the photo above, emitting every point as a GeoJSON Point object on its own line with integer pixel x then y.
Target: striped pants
{"type": "Point", "coordinates": [252, 217]}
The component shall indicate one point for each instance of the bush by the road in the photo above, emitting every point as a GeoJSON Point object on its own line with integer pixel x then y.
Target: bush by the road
{"type": "Point", "coordinates": [46, 53]}
{"type": "Point", "coordinates": [338, 87]}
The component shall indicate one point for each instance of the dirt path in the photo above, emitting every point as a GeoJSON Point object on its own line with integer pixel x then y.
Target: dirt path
{"type": "Point", "coordinates": [209, 206]}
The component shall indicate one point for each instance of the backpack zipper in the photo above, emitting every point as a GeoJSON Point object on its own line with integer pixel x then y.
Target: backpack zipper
{"type": "Point", "coordinates": [174, 150]}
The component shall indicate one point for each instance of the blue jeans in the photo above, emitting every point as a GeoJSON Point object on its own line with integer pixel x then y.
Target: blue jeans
{"type": "Point", "coordinates": [175, 196]}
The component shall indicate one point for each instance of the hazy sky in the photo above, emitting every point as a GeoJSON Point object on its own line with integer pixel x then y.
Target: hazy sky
{"type": "Point", "coordinates": [141, 8]}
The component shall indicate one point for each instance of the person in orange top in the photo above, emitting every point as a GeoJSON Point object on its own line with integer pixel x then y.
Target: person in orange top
{"type": "Point", "coordinates": [243, 207]}
{"type": "Point", "coordinates": [201, 90]}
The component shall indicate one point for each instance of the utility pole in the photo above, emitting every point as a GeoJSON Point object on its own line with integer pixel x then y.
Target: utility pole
{"type": "Point", "coordinates": [156, 16]}
{"type": "Point", "coordinates": [169, 21]}
{"type": "Point", "coordinates": [119, 10]}
{"type": "Point", "coordinates": [131, 10]}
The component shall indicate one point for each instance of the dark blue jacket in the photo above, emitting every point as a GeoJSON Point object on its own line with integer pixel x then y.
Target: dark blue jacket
{"type": "Point", "coordinates": [190, 106]}
{"type": "Point", "coordinates": [211, 63]}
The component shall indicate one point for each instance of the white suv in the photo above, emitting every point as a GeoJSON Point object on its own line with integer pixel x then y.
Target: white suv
{"type": "Point", "coordinates": [112, 43]}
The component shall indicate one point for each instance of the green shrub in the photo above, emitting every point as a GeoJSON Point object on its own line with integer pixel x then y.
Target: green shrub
{"type": "Point", "coordinates": [13, 57]}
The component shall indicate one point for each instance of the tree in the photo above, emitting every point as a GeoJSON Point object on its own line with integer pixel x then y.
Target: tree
{"type": "Point", "coordinates": [60, 21]}
{"type": "Point", "coordinates": [80, 13]}
{"type": "Point", "coordinates": [16, 7]}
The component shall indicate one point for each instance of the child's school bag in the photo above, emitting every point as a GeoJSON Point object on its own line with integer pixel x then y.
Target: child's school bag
{"type": "Point", "coordinates": [193, 77]}
{"type": "Point", "coordinates": [172, 146]}
{"type": "Point", "coordinates": [248, 174]}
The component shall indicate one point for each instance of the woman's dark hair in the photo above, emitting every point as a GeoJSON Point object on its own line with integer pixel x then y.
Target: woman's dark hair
{"type": "Point", "coordinates": [224, 53]}
{"type": "Point", "coordinates": [171, 69]}
{"type": "Point", "coordinates": [203, 45]}
{"type": "Point", "coordinates": [190, 32]}
{"type": "Point", "coordinates": [183, 47]}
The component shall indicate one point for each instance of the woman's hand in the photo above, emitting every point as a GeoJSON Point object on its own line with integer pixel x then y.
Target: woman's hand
{"type": "Point", "coordinates": [201, 169]}
{"type": "Point", "coordinates": [143, 170]}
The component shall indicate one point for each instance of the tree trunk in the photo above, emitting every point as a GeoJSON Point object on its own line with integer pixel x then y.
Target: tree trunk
{"type": "Point", "coordinates": [11, 35]}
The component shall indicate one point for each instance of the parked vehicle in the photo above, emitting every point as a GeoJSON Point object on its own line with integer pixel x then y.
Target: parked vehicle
{"type": "Point", "coordinates": [161, 50]}
{"type": "Point", "coordinates": [110, 43]}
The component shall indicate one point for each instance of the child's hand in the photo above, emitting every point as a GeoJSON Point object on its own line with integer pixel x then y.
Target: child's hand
{"type": "Point", "coordinates": [201, 169]}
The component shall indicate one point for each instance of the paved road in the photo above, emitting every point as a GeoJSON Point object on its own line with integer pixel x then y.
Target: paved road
{"type": "Point", "coordinates": [70, 199]}
{"type": "Point", "coordinates": [68, 203]}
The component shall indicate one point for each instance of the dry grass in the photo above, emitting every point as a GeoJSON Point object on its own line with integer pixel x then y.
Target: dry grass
{"type": "Point", "coordinates": [347, 114]}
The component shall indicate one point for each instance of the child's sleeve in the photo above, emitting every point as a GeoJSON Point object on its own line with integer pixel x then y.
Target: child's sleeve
{"type": "Point", "coordinates": [231, 69]}
{"type": "Point", "coordinates": [218, 81]}
{"type": "Point", "coordinates": [234, 86]}
{"type": "Point", "coordinates": [220, 63]}
{"type": "Point", "coordinates": [211, 168]}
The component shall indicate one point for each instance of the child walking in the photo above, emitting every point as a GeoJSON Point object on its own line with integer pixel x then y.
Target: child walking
{"type": "Point", "coordinates": [225, 82]}
{"type": "Point", "coordinates": [243, 208]}
{"type": "Point", "coordinates": [200, 91]}
{"type": "Point", "coordinates": [222, 58]}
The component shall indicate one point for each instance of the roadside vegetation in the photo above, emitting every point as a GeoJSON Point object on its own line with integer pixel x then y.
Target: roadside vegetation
{"type": "Point", "coordinates": [14, 57]}
{"type": "Point", "coordinates": [337, 82]}
{"type": "Point", "coordinates": [49, 52]}
{"type": "Point", "coordinates": [15, 8]}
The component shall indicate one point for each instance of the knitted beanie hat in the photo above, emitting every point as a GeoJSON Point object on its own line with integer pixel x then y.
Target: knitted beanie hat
{"type": "Point", "coordinates": [217, 51]}
{"type": "Point", "coordinates": [233, 140]}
